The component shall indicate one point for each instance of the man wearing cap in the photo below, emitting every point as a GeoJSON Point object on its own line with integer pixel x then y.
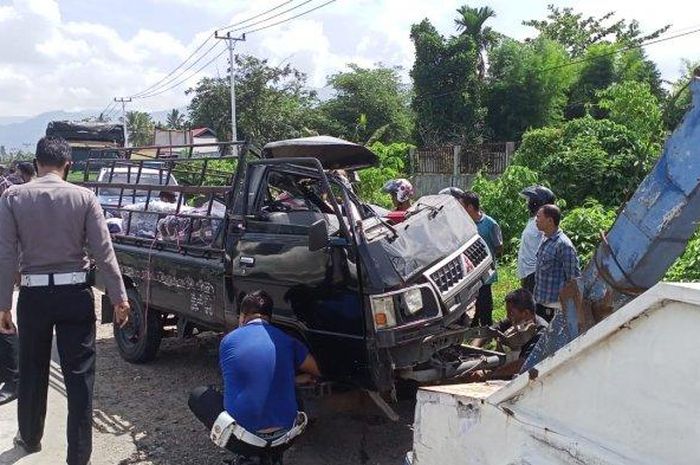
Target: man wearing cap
{"type": "Point", "coordinates": [531, 237]}
{"type": "Point", "coordinates": [45, 226]}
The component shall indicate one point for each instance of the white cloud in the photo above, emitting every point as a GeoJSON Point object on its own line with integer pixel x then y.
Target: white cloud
{"type": "Point", "coordinates": [48, 62]}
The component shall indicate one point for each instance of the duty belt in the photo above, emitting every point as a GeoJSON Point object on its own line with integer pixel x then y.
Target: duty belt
{"type": "Point", "coordinates": [56, 279]}
{"type": "Point", "coordinates": [226, 426]}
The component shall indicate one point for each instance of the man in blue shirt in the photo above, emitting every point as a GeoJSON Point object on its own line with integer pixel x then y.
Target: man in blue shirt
{"type": "Point", "coordinates": [557, 262]}
{"type": "Point", "coordinates": [259, 364]}
{"type": "Point", "coordinates": [490, 232]}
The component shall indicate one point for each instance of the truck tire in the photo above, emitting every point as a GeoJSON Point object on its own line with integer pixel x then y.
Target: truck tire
{"type": "Point", "coordinates": [138, 341]}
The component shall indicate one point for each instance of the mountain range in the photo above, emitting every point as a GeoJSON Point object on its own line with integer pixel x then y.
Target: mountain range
{"type": "Point", "coordinates": [22, 133]}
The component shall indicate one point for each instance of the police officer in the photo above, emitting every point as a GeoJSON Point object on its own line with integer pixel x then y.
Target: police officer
{"type": "Point", "coordinates": [45, 226]}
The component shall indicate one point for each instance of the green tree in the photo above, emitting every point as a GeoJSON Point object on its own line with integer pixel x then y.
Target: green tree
{"type": "Point", "coordinates": [272, 102]}
{"type": "Point", "coordinates": [447, 91]}
{"type": "Point", "coordinates": [392, 165]}
{"type": "Point", "coordinates": [140, 127]}
{"type": "Point", "coordinates": [367, 100]}
{"type": "Point", "coordinates": [603, 65]}
{"type": "Point", "coordinates": [584, 224]}
{"type": "Point", "coordinates": [577, 33]}
{"type": "Point", "coordinates": [175, 119]}
{"type": "Point", "coordinates": [500, 198]}
{"type": "Point", "coordinates": [470, 22]}
{"type": "Point", "coordinates": [679, 99]}
{"type": "Point", "coordinates": [633, 105]}
{"type": "Point", "coordinates": [527, 86]}
{"type": "Point", "coordinates": [587, 158]}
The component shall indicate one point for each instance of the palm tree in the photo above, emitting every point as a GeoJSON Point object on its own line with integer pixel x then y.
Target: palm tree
{"type": "Point", "coordinates": [175, 119]}
{"type": "Point", "coordinates": [140, 126]}
{"type": "Point", "coordinates": [471, 23]}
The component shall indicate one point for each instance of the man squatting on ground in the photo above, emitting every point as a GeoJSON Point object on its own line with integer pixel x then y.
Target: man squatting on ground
{"type": "Point", "coordinates": [257, 415]}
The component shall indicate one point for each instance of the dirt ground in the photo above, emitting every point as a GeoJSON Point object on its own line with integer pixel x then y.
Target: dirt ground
{"type": "Point", "coordinates": [149, 403]}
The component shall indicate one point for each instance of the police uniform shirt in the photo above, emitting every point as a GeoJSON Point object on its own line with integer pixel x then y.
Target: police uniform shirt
{"type": "Point", "coordinates": [45, 226]}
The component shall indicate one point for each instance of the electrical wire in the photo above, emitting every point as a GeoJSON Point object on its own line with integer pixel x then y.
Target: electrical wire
{"type": "Point", "coordinates": [162, 91]}
{"type": "Point", "coordinates": [264, 20]}
{"type": "Point", "coordinates": [175, 77]}
{"type": "Point", "coordinates": [163, 87]}
{"type": "Point", "coordinates": [148, 89]}
{"type": "Point", "coordinates": [170, 77]}
{"type": "Point", "coordinates": [290, 18]}
{"type": "Point", "coordinates": [576, 62]}
{"type": "Point", "coordinates": [256, 16]}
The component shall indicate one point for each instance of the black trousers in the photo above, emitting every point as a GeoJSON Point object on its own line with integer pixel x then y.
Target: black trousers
{"type": "Point", "coordinates": [207, 404]}
{"type": "Point", "coordinates": [484, 307]}
{"type": "Point", "coordinates": [70, 311]}
{"type": "Point", "coordinates": [528, 282]}
{"type": "Point", "coordinates": [8, 359]}
{"type": "Point", "coordinates": [545, 312]}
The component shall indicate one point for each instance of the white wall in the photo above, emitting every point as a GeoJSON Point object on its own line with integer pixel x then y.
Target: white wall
{"type": "Point", "coordinates": [626, 392]}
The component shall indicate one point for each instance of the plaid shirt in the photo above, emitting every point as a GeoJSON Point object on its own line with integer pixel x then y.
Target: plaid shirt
{"type": "Point", "coordinates": [556, 263]}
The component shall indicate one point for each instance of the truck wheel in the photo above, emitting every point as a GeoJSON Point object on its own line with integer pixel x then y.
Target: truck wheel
{"type": "Point", "coordinates": [139, 339]}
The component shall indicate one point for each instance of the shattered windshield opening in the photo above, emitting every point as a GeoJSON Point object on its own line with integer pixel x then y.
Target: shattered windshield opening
{"type": "Point", "coordinates": [436, 227]}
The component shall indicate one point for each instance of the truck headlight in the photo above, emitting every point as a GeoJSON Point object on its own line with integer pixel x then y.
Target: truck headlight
{"type": "Point", "coordinates": [383, 312]}
{"type": "Point", "coordinates": [413, 300]}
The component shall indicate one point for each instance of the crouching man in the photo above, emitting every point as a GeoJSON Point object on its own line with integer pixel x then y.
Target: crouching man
{"type": "Point", "coordinates": [520, 332]}
{"type": "Point", "coordinates": [257, 416]}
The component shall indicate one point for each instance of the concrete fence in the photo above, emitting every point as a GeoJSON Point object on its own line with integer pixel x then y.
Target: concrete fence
{"type": "Point", "coordinates": [435, 168]}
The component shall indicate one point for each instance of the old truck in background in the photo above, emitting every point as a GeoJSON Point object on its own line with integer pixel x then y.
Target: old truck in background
{"type": "Point", "coordinates": [86, 138]}
{"type": "Point", "coordinates": [374, 302]}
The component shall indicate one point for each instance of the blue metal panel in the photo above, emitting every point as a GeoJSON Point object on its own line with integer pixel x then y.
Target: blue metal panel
{"type": "Point", "coordinates": [649, 235]}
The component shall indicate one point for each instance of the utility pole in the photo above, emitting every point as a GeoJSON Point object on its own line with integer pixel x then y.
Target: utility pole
{"type": "Point", "coordinates": [230, 41]}
{"type": "Point", "coordinates": [124, 101]}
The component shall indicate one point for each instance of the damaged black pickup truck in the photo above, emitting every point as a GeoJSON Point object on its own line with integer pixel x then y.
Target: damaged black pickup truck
{"type": "Point", "coordinates": [374, 302]}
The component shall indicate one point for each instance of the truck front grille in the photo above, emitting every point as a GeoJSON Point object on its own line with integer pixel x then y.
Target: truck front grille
{"type": "Point", "coordinates": [449, 275]}
{"type": "Point", "coordinates": [477, 252]}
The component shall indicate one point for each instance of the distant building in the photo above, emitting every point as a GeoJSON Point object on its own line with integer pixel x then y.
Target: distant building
{"type": "Point", "coordinates": [171, 137]}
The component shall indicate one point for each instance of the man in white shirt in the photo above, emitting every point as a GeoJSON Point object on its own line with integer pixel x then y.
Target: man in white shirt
{"type": "Point", "coordinates": [531, 237]}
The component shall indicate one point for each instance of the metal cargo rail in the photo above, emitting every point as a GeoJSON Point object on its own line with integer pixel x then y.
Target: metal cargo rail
{"type": "Point", "coordinates": [202, 197]}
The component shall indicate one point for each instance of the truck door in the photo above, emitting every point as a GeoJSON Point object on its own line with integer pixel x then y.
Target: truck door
{"type": "Point", "coordinates": [315, 293]}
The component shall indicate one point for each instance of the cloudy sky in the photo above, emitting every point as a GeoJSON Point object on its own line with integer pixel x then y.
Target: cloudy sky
{"type": "Point", "coordinates": [78, 54]}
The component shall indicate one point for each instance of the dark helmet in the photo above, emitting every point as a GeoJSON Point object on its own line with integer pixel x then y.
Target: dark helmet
{"type": "Point", "coordinates": [537, 196]}
{"type": "Point", "coordinates": [455, 192]}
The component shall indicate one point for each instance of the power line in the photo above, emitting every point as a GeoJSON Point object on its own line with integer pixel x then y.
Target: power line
{"type": "Point", "coordinates": [169, 77]}
{"type": "Point", "coordinates": [572, 63]}
{"type": "Point", "coordinates": [104, 112]}
{"type": "Point", "coordinates": [188, 77]}
{"type": "Point", "coordinates": [257, 16]}
{"type": "Point", "coordinates": [162, 87]}
{"type": "Point", "coordinates": [138, 95]}
{"type": "Point", "coordinates": [289, 19]}
{"type": "Point", "coordinates": [145, 94]}
{"type": "Point", "coordinates": [271, 17]}
{"type": "Point", "coordinates": [622, 49]}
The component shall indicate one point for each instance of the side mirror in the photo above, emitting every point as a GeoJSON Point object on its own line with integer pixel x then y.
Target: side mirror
{"type": "Point", "coordinates": [318, 236]}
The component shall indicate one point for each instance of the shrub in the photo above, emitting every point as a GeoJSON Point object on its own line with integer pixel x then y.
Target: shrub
{"type": "Point", "coordinates": [500, 198]}
{"type": "Point", "coordinates": [392, 164]}
{"type": "Point", "coordinates": [584, 224]}
{"type": "Point", "coordinates": [687, 267]}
